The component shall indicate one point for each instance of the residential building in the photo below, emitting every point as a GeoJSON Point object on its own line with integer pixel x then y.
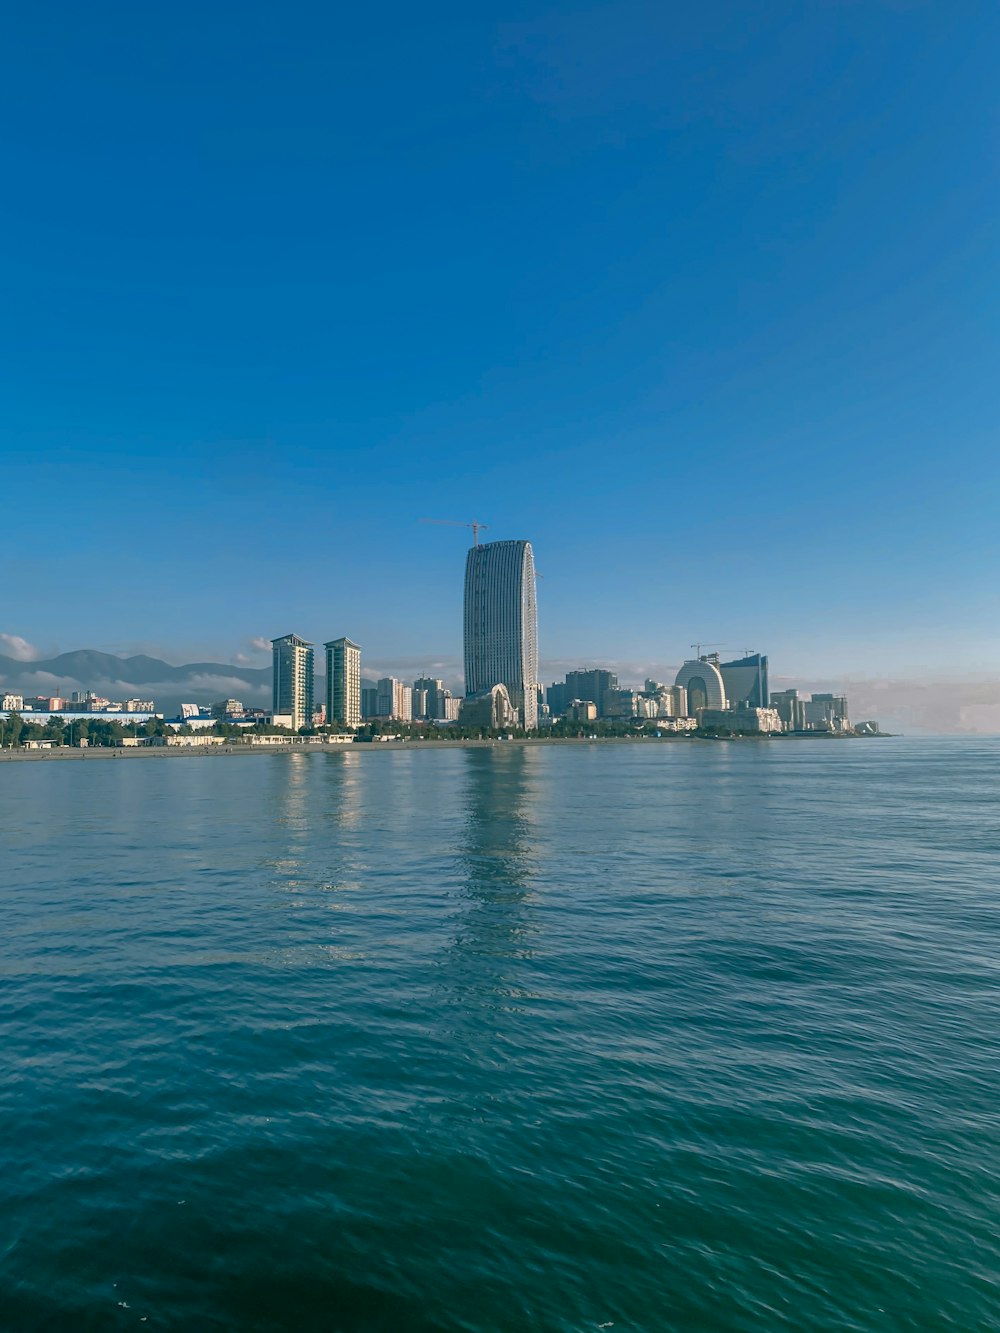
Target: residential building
{"type": "Point", "coordinates": [292, 693]}
{"type": "Point", "coordinates": [581, 710]}
{"type": "Point", "coordinates": [790, 708]}
{"type": "Point", "coordinates": [827, 712]}
{"type": "Point", "coordinates": [395, 700]}
{"type": "Point", "coordinates": [742, 719]}
{"type": "Point", "coordinates": [593, 683]}
{"type": "Point", "coordinates": [343, 682]}
{"type": "Point", "coordinates": [501, 624]}
{"type": "Point", "coordinates": [746, 682]}
{"type": "Point", "coordinates": [618, 704]}
{"type": "Point", "coordinates": [369, 699]}
{"type": "Point", "coordinates": [703, 681]}
{"type": "Point", "coordinates": [13, 703]}
{"type": "Point", "coordinates": [227, 708]}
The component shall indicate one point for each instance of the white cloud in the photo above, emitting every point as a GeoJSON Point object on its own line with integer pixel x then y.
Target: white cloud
{"type": "Point", "coordinates": [12, 645]}
{"type": "Point", "coordinates": [259, 645]}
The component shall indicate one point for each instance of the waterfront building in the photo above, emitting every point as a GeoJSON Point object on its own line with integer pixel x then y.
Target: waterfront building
{"type": "Point", "coordinates": [13, 703]}
{"type": "Point", "coordinates": [292, 693]}
{"type": "Point", "coordinates": [489, 708]}
{"type": "Point", "coordinates": [702, 680]}
{"type": "Point", "coordinates": [225, 708]}
{"type": "Point", "coordinates": [745, 681]}
{"type": "Point", "coordinates": [790, 708]}
{"type": "Point", "coordinates": [618, 704]}
{"type": "Point", "coordinates": [343, 682]}
{"type": "Point", "coordinates": [665, 700]}
{"type": "Point", "coordinates": [827, 712]}
{"type": "Point", "coordinates": [501, 624]}
{"type": "Point", "coordinates": [742, 719]}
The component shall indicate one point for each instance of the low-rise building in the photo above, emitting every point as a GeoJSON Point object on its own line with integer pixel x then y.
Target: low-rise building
{"type": "Point", "coordinates": [745, 720]}
{"type": "Point", "coordinates": [490, 708]}
{"type": "Point", "coordinates": [581, 710]}
{"type": "Point", "coordinates": [227, 708]}
{"type": "Point", "coordinates": [13, 703]}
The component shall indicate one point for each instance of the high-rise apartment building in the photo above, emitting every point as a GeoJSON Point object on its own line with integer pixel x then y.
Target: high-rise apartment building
{"type": "Point", "coordinates": [293, 679]}
{"type": "Point", "coordinates": [594, 684]}
{"type": "Point", "coordinates": [790, 708]}
{"type": "Point", "coordinates": [501, 624]}
{"type": "Point", "coordinates": [395, 700]}
{"type": "Point", "coordinates": [343, 682]}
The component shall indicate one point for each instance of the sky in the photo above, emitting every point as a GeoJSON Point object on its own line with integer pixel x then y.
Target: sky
{"type": "Point", "coordinates": [703, 300]}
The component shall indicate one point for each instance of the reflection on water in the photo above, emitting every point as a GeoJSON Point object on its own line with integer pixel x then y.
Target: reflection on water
{"type": "Point", "coordinates": [497, 862]}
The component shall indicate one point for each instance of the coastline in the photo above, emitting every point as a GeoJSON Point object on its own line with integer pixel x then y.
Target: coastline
{"type": "Point", "coordinates": [110, 753]}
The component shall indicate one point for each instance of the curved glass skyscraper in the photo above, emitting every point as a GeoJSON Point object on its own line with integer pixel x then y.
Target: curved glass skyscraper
{"type": "Point", "coordinates": [501, 624]}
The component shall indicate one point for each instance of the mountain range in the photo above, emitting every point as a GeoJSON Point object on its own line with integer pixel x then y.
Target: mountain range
{"type": "Point", "coordinates": [141, 676]}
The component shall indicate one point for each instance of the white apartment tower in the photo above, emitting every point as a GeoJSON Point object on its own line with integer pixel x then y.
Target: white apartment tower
{"type": "Point", "coordinates": [343, 682]}
{"type": "Point", "coordinates": [501, 624]}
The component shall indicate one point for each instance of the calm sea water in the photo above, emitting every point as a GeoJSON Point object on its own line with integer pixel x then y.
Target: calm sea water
{"type": "Point", "coordinates": [688, 1036]}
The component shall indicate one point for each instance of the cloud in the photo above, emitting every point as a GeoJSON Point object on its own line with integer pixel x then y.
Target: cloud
{"type": "Point", "coordinates": [259, 645]}
{"type": "Point", "coordinates": [12, 645]}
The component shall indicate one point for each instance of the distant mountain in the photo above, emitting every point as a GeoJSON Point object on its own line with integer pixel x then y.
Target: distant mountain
{"type": "Point", "coordinates": [146, 677]}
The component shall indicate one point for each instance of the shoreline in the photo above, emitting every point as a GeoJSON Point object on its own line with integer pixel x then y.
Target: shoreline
{"type": "Point", "coordinates": [109, 753]}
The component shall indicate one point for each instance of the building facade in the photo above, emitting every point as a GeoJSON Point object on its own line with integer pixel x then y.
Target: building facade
{"type": "Point", "coordinates": [742, 720]}
{"type": "Point", "coordinates": [343, 682]}
{"type": "Point", "coordinates": [501, 624]}
{"type": "Point", "coordinates": [746, 681]}
{"type": "Point", "coordinates": [594, 684]}
{"type": "Point", "coordinates": [790, 708]}
{"type": "Point", "coordinates": [703, 681]}
{"type": "Point", "coordinates": [395, 700]}
{"type": "Point", "coordinates": [292, 692]}
{"type": "Point", "coordinates": [492, 708]}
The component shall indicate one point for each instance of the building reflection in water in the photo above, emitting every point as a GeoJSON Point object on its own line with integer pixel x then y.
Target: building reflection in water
{"type": "Point", "coordinates": [497, 864]}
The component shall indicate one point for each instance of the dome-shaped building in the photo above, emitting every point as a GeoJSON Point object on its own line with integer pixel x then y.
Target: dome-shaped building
{"type": "Point", "coordinates": [703, 681]}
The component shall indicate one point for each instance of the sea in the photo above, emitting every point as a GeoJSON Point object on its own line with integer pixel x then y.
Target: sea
{"type": "Point", "coordinates": [642, 1036]}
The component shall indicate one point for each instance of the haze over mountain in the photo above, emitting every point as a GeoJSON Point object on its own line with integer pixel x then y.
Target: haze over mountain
{"type": "Point", "coordinates": [148, 677]}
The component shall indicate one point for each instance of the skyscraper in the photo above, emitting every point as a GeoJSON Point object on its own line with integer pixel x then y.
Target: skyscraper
{"type": "Point", "coordinates": [746, 681]}
{"type": "Point", "coordinates": [501, 624]}
{"type": "Point", "coordinates": [343, 682]}
{"type": "Point", "coordinates": [293, 679]}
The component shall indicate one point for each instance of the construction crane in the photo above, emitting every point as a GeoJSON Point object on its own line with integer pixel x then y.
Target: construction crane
{"type": "Point", "coordinates": [698, 647]}
{"type": "Point", "coordinates": [476, 526]}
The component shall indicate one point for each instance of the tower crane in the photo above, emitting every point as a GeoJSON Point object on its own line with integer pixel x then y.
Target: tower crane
{"type": "Point", "coordinates": [476, 526]}
{"type": "Point", "coordinates": [698, 647]}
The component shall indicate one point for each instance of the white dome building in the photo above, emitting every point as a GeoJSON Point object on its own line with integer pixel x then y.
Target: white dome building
{"type": "Point", "coordinates": [704, 684]}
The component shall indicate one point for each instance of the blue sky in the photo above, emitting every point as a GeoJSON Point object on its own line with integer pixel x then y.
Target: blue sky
{"type": "Point", "coordinates": [701, 299]}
